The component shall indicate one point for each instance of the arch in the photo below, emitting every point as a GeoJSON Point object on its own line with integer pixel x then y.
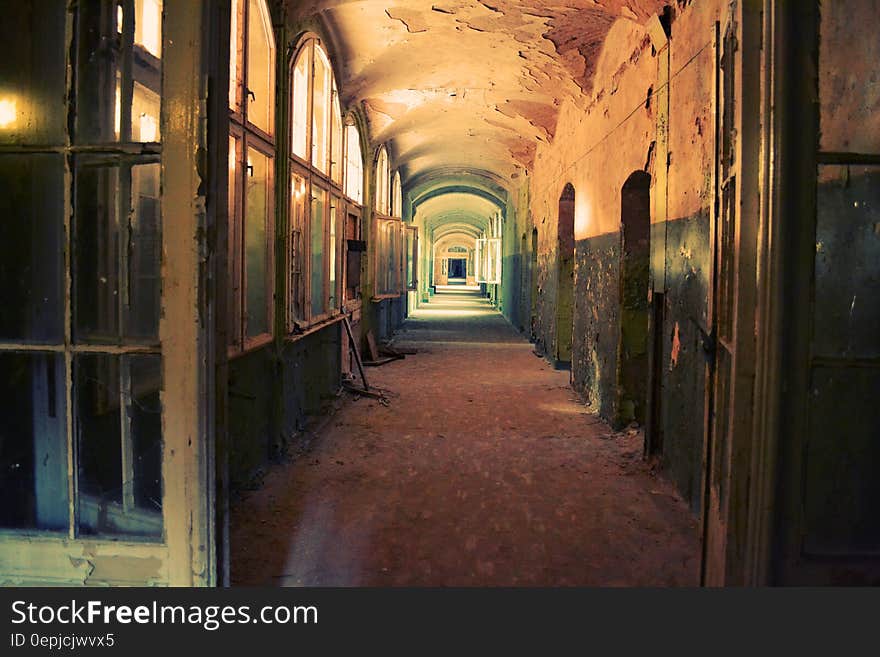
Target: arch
{"type": "Point", "coordinates": [565, 277]}
{"type": "Point", "coordinates": [635, 263]}
{"type": "Point", "coordinates": [383, 184]}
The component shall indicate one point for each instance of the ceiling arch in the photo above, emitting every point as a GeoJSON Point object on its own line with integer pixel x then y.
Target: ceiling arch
{"type": "Point", "coordinates": [465, 85]}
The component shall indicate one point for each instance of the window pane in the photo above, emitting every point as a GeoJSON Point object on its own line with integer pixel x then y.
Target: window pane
{"type": "Point", "coordinates": [32, 73]}
{"type": "Point", "coordinates": [31, 248]}
{"type": "Point", "coordinates": [301, 101]}
{"type": "Point", "coordinates": [144, 254]}
{"type": "Point", "coordinates": [334, 211]}
{"type": "Point", "coordinates": [119, 442]}
{"type": "Point", "coordinates": [846, 312]}
{"type": "Point", "coordinates": [336, 163]}
{"type": "Point", "coordinates": [319, 203]}
{"type": "Point", "coordinates": [233, 310]}
{"type": "Point", "coordinates": [119, 72]}
{"type": "Point", "coordinates": [257, 244]}
{"type": "Point", "coordinates": [148, 26]}
{"type": "Point", "coordinates": [117, 253]}
{"type": "Point", "coordinates": [297, 247]}
{"type": "Point", "coordinates": [354, 174]}
{"type": "Point", "coordinates": [381, 203]}
{"type": "Point", "coordinates": [321, 112]}
{"type": "Point", "coordinates": [235, 55]}
{"type": "Point", "coordinates": [33, 442]}
{"type": "Point", "coordinates": [260, 67]}
{"type": "Point", "coordinates": [397, 210]}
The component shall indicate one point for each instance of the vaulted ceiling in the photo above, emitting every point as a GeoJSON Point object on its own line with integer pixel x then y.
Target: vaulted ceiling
{"type": "Point", "coordinates": [466, 88]}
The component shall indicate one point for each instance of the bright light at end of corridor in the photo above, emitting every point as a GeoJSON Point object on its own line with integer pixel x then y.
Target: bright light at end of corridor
{"type": "Point", "coordinates": [8, 112]}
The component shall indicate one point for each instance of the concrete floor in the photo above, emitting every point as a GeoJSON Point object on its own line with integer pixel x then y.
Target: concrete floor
{"type": "Point", "coordinates": [484, 470]}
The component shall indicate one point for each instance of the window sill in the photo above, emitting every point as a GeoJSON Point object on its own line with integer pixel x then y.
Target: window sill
{"type": "Point", "coordinates": [253, 344]}
{"type": "Point", "coordinates": [314, 327]}
{"type": "Point", "coordinates": [383, 297]}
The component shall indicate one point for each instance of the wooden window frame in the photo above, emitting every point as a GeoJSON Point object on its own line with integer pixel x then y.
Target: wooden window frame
{"type": "Point", "coordinates": [316, 179]}
{"type": "Point", "coordinates": [248, 136]}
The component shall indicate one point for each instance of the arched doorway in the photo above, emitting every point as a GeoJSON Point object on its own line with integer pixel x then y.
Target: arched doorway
{"type": "Point", "coordinates": [635, 264]}
{"type": "Point", "coordinates": [565, 278]}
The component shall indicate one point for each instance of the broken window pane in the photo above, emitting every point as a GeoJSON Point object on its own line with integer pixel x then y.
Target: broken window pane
{"type": "Point", "coordinates": [119, 71]}
{"type": "Point", "coordinates": [33, 442]}
{"type": "Point", "coordinates": [260, 67]}
{"type": "Point", "coordinates": [119, 444]}
{"type": "Point", "coordinates": [257, 243]}
{"type": "Point", "coordinates": [32, 73]}
{"type": "Point", "coordinates": [117, 253]}
{"type": "Point", "coordinates": [31, 248]}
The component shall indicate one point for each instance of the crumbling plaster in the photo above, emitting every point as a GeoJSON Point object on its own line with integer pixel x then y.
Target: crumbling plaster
{"type": "Point", "coordinates": [467, 84]}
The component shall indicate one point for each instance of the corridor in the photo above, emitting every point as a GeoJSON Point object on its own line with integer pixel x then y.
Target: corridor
{"type": "Point", "coordinates": [484, 469]}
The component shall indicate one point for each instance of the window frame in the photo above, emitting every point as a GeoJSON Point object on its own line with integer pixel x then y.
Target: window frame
{"type": "Point", "coordinates": [315, 178]}
{"type": "Point", "coordinates": [248, 136]}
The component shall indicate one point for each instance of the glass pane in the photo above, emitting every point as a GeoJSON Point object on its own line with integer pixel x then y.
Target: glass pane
{"type": "Point", "coordinates": [145, 106]}
{"type": "Point", "coordinates": [260, 67]}
{"type": "Point", "coordinates": [257, 244]}
{"type": "Point", "coordinates": [354, 174]}
{"type": "Point", "coordinates": [148, 26]}
{"type": "Point", "coordinates": [319, 203]}
{"type": "Point", "coordinates": [397, 211]}
{"type": "Point", "coordinates": [119, 72]}
{"type": "Point", "coordinates": [117, 253]}
{"type": "Point", "coordinates": [382, 182]}
{"type": "Point", "coordinates": [233, 311]}
{"type": "Point", "coordinates": [336, 163]}
{"type": "Point", "coordinates": [33, 442]}
{"type": "Point", "coordinates": [321, 111]}
{"type": "Point", "coordinates": [119, 444]}
{"type": "Point", "coordinates": [331, 251]}
{"type": "Point", "coordinates": [235, 55]}
{"type": "Point", "coordinates": [31, 247]}
{"type": "Point", "coordinates": [32, 73]}
{"type": "Point", "coordinates": [297, 247]}
{"type": "Point", "coordinates": [301, 102]}
{"type": "Point", "coordinates": [847, 287]}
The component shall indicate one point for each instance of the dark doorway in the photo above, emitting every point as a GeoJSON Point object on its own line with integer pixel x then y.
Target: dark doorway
{"type": "Point", "coordinates": [635, 264]}
{"type": "Point", "coordinates": [565, 278]}
{"type": "Point", "coordinates": [457, 269]}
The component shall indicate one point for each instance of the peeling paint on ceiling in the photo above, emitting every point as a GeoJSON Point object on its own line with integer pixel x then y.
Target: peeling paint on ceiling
{"type": "Point", "coordinates": [467, 84]}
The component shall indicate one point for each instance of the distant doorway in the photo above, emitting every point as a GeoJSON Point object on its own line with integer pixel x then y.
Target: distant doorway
{"type": "Point", "coordinates": [565, 278]}
{"type": "Point", "coordinates": [457, 271]}
{"type": "Point", "coordinates": [635, 264]}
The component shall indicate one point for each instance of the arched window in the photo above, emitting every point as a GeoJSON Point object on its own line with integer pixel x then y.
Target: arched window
{"type": "Point", "coordinates": [382, 182]}
{"type": "Point", "coordinates": [316, 130]}
{"type": "Point", "coordinates": [396, 196]}
{"type": "Point", "coordinates": [354, 165]}
{"type": "Point", "coordinates": [317, 165]}
{"type": "Point", "coordinates": [251, 167]}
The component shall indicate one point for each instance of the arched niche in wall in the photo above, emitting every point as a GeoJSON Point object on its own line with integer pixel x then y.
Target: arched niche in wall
{"type": "Point", "coordinates": [565, 278]}
{"type": "Point", "coordinates": [635, 260]}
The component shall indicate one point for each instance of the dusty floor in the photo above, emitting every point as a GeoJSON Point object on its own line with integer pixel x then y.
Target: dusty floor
{"type": "Point", "coordinates": [484, 470]}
